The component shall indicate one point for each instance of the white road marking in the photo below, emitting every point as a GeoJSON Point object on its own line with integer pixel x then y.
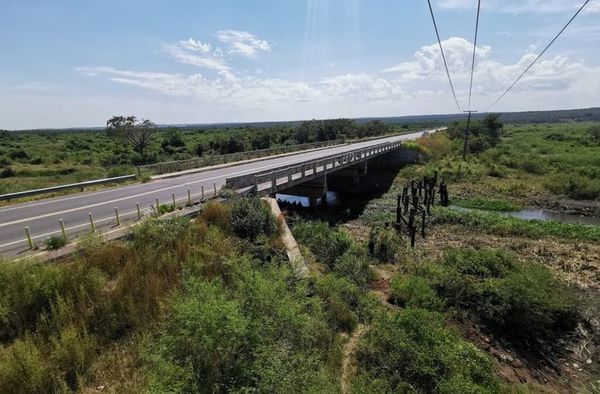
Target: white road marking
{"type": "Point", "coordinates": [87, 224]}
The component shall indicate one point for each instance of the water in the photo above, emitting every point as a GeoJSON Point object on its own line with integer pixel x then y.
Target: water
{"type": "Point", "coordinates": [334, 199]}
{"type": "Point", "coordinates": [546, 215]}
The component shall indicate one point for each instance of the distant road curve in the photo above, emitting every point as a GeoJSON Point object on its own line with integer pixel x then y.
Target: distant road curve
{"type": "Point", "coordinates": [42, 216]}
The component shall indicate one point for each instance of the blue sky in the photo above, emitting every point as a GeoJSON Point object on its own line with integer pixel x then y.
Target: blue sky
{"type": "Point", "coordinates": [77, 63]}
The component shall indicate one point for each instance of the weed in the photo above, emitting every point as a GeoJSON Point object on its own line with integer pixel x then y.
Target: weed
{"type": "Point", "coordinates": [55, 242]}
{"type": "Point", "coordinates": [326, 243]}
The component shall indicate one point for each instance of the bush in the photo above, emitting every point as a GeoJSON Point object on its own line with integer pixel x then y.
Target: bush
{"type": "Point", "coordinates": [385, 243]}
{"type": "Point", "coordinates": [411, 351]}
{"type": "Point", "coordinates": [73, 351]}
{"type": "Point", "coordinates": [24, 368]}
{"type": "Point", "coordinates": [344, 302]}
{"type": "Point", "coordinates": [8, 172]}
{"type": "Point", "coordinates": [354, 265]}
{"type": "Point", "coordinates": [251, 217]}
{"type": "Point", "coordinates": [326, 243]}
{"type": "Point", "coordinates": [574, 186]}
{"type": "Point", "coordinates": [216, 214]}
{"type": "Point", "coordinates": [55, 242]}
{"type": "Point", "coordinates": [520, 301]}
{"type": "Point", "coordinates": [185, 361]}
{"type": "Point", "coordinates": [414, 292]}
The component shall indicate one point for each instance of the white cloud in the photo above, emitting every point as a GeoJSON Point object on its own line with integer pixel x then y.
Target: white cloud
{"type": "Point", "coordinates": [193, 45]}
{"type": "Point", "coordinates": [243, 43]}
{"type": "Point", "coordinates": [415, 86]}
{"type": "Point", "coordinates": [203, 59]}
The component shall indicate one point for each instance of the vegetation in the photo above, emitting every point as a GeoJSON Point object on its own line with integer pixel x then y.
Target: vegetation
{"type": "Point", "coordinates": [494, 223]}
{"type": "Point", "coordinates": [412, 351]}
{"type": "Point", "coordinates": [31, 160]}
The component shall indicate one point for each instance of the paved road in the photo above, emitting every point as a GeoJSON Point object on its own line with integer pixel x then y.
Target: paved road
{"type": "Point", "coordinates": [42, 217]}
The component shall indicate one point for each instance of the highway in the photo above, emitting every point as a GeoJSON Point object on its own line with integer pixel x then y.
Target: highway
{"type": "Point", "coordinates": [43, 216]}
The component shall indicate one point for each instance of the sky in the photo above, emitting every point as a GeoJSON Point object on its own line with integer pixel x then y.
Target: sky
{"type": "Point", "coordinates": [76, 63]}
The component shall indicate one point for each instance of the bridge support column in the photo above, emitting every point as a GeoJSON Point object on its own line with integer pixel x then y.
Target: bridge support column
{"type": "Point", "coordinates": [314, 189]}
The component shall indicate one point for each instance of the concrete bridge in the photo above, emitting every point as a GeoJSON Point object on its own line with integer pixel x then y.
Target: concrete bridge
{"type": "Point", "coordinates": [305, 173]}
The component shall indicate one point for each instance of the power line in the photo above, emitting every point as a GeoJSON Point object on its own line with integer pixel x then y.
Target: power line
{"type": "Point", "coordinates": [437, 33]}
{"type": "Point", "coordinates": [474, 52]}
{"type": "Point", "coordinates": [469, 111]}
{"type": "Point", "coordinates": [539, 56]}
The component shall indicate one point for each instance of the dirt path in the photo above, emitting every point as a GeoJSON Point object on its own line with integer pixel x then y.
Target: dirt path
{"type": "Point", "coordinates": [348, 366]}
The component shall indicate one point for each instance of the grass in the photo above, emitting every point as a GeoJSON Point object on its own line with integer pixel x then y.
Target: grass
{"type": "Point", "coordinates": [498, 224]}
{"type": "Point", "coordinates": [487, 204]}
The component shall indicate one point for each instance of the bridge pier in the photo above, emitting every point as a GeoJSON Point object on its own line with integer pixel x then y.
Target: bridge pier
{"type": "Point", "coordinates": [314, 189]}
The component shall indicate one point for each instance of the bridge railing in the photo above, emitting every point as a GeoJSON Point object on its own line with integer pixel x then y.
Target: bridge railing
{"type": "Point", "coordinates": [183, 165]}
{"type": "Point", "coordinates": [270, 182]}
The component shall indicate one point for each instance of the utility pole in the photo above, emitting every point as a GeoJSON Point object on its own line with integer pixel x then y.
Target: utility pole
{"type": "Point", "coordinates": [467, 133]}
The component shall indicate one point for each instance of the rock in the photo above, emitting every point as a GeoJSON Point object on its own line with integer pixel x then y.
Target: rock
{"type": "Point", "coordinates": [589, 361]}
{"type": "Point", "coordinates": [101, 387]}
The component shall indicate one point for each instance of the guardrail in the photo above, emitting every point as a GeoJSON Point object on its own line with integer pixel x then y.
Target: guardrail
{"type": "Point", "coordinates": [183, 165]}
{"type": "Point", "coordinates": [264, 182]}
{"type": "Point", "coordinates": [81, 185]}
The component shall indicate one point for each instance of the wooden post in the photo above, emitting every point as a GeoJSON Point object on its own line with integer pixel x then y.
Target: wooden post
{"type": "Point", "coordinates": [92, 225]}
{"type": "Point", "coordinates": [137, 206]}
{"type": "Point", "coordinates": [117, 216]}
{"type": "Point", "coordinates": [189, 197]}
{"type": "Point", "coordinates": [157, 207]}
{"type": "Point", "coordinates": [202, 193]}
{"type": "Point", "coordinates": [62, 229]}
{"type": "Point", "coordinates": [29, 239]}
{"type": "Point", "coordinates": [174, 203]}
{"type": "Point", "coordinates": [215, 188]}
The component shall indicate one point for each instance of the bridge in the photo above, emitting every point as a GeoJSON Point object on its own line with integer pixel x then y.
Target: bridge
{"type": "Point", "coordinates": [303, 173]}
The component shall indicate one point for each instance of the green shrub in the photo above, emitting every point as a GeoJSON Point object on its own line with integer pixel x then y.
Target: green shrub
{"type": "Point", "coordinates": [385, 243]}
{"type": "Point", "coordinates": [326, 243]}
{"type": "Point", "coordinates": [251, 217]}
{"type": "Point", "coordinates": [73, 351]}
{"type": "Point", "coordinates": [414, 292]}
{"type": "Point", "coordinates": [343, 300]}
{"type": "Point", "coordinates": [574, 186]}
{"type": "Point", "coordinates": [202, 345]}
{"type": "Point", "coordinates": [521, 301]}
{"type": "Point", "coordinates": [354, 265]}
{"type": "Point", "coordinates": [157, 233]}
{"type": "Point", "coordinates": [55, 242]}
{"type": "Point", "coordinates": [24, 368]}
{"type": "Point", "coordinates": [412, 351]}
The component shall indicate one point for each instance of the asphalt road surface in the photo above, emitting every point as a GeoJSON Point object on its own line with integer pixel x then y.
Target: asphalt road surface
{"type": "Point", "coordinates": [42, 216]}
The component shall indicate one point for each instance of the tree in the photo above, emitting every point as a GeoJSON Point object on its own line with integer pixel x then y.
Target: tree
{"type": "Point", "coordinates": [138, 133]}
{"type": "Point", "coordinates": [4, 134]}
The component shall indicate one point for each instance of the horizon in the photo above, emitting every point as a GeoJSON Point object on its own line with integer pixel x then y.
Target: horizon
{"type": "Point", "coordinates": [228, 63]}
